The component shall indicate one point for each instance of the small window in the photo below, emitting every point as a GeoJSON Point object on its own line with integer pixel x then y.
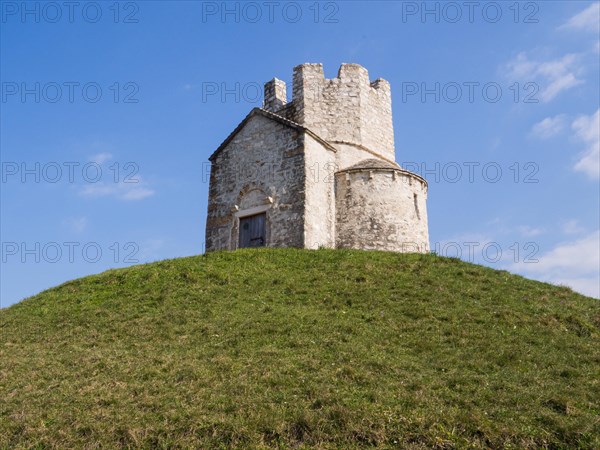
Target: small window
{"type": "Point", "coordinates": [416, 206]}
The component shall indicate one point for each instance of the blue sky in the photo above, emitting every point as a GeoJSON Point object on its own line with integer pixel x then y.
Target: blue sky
{"type": "Point", "coordinates": [110, 111]}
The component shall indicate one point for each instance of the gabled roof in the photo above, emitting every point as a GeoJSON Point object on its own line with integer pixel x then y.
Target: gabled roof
{"type": "Point", "coordinates": [276, 118]}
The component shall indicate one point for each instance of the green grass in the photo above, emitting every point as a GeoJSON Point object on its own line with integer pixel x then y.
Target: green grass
{"type": "Point", "coordinates": [301, 349]}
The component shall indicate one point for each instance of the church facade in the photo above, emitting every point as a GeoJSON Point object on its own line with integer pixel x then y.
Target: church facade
{"type": "Point", "coordinates": [318, 171]}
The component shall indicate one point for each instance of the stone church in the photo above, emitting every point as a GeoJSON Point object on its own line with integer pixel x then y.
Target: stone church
{"type": "Point", "coordinates": [318, 171]}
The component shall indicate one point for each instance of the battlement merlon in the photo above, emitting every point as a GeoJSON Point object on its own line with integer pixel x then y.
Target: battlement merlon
{"type": "Point", "coordinates": [311, 75]}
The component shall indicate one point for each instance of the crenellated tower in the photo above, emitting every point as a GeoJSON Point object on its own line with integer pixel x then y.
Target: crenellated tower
{"type": "Point", "coordinates": [346, 110]}
{"type": "Point", "coordinates": [333, 180]}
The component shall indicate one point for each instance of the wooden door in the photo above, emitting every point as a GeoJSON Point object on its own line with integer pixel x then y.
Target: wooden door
{"type": "Point", "coordinates": [252, 231]}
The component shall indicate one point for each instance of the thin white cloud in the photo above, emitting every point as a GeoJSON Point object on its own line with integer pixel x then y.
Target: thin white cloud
{"type": "Point", "coordinates": [587, 130]}
{"type": "Point", "coordinates": [551, 77]}
{"type": "Point", "coordinates": [121, 190]}
{"type": "Point", "coordinates": [574, 263]}
{"type": "Point", "coordinates": [137, 194]}
{"type": "Point", "coordinates": [101, 158]}
{"type": "Point", "coordinates": [76, 224]}
{"type": "Point", "coordinates": [527, 231]}
{"type": "Point", "coordinates": [572, 227]}
{"type": "Point", "coordinates": [549, 127]}
{"type": "Point", "coordinates": [558, 84]}
{"type": "Point", "coordinates": [586, 20]}
{"type": "Point", "coordinates": [127, 188]}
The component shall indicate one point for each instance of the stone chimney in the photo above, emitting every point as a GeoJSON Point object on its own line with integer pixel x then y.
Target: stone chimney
{"type": "Point", "coordinates": [275, 95]}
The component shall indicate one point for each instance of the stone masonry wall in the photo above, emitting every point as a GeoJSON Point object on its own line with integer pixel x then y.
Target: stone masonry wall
{"type": "Point", "coordinates": [348, 108]}
{"type": "Point", "coordinates": [381, 209]}
{"type": "Point", "coordinates": [319, 213]}
{"type": "Point", "coordinates": [265, 159]}
{"type": "Point", "coordinates": [376, 119]}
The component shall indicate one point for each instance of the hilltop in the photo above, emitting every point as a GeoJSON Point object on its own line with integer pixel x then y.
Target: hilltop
{"type": "Point", "coordinates": [287, 348]}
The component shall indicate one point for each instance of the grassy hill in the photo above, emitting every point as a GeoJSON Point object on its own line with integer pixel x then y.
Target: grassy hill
{"type": "Point", "coordinates": [301, 349]}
